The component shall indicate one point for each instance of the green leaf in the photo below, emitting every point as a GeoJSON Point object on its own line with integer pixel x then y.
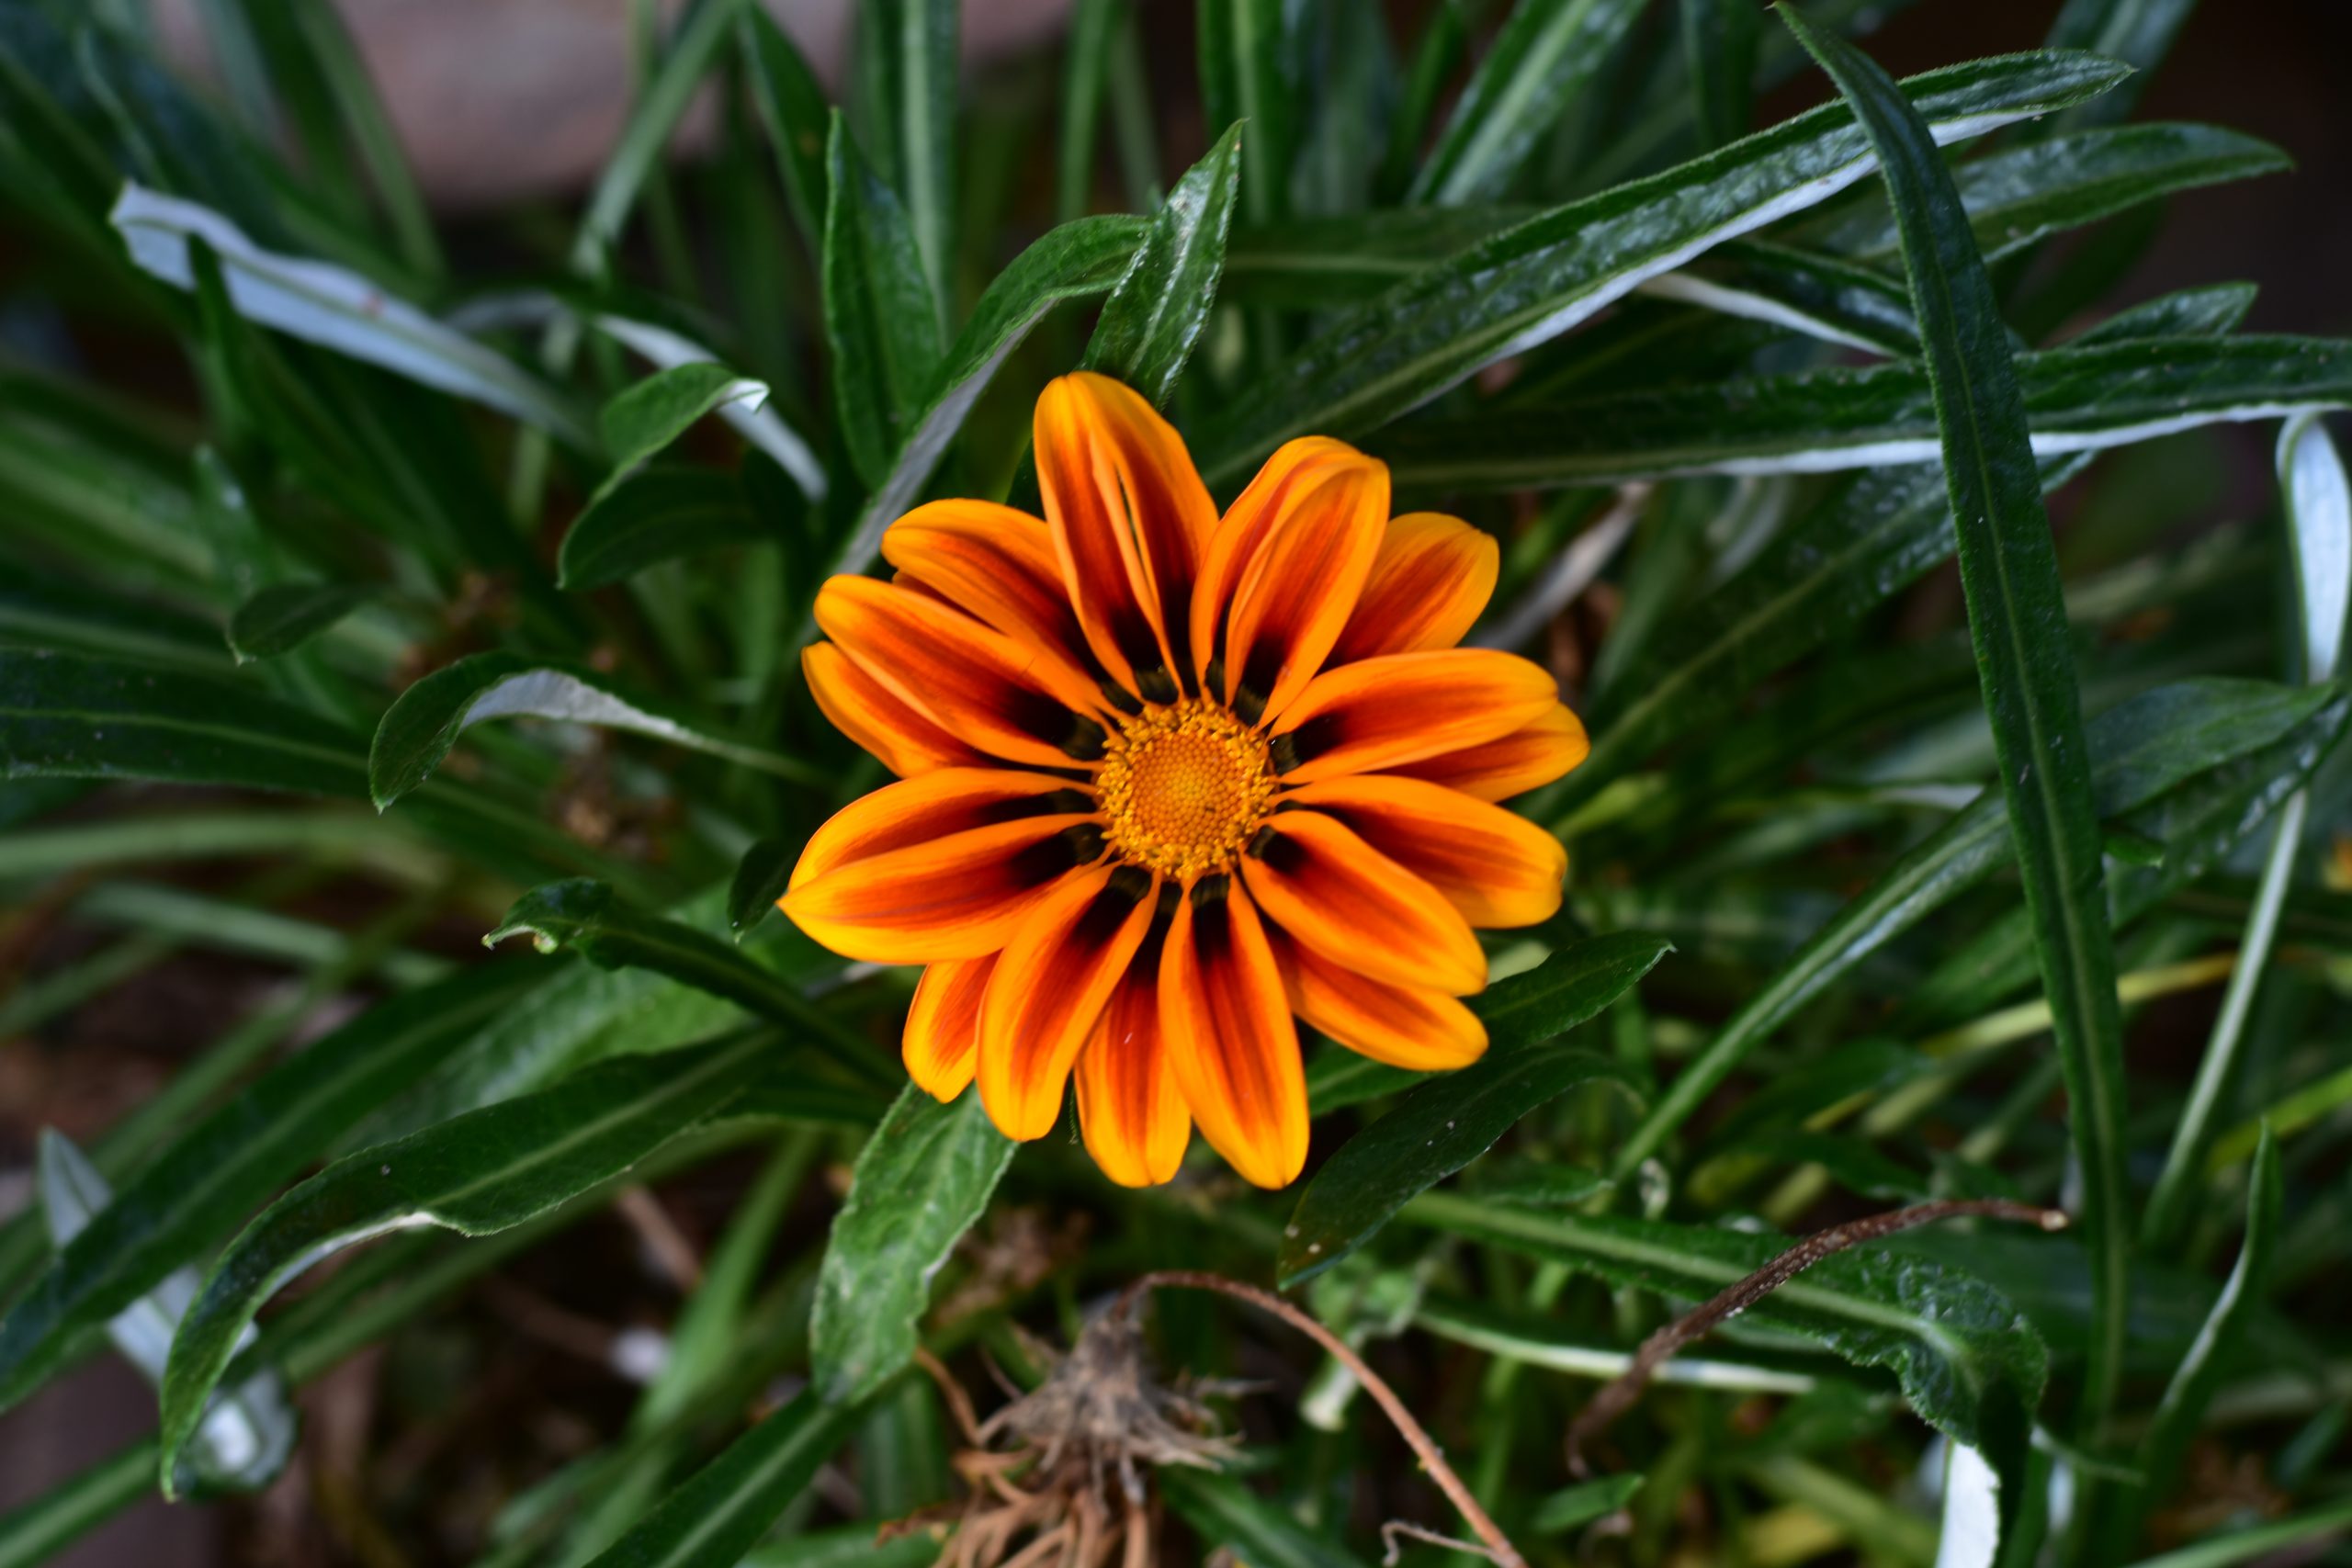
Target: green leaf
{"type": "Point", "coordinates": [591, 919]}
{"type": "Point", "coordinates": [716, 1518]}
{"type": "Point", "coordinates": [881, 321]}
{"type": "Point", "coordinates": [643, 419]}
{"type": "Point", "coordinates": [1094, 34]}
{"type": "Point", "coordinates": [2017, 620]}
{"type": "Point", "coordinates": [793, 105]}
{"type": "Point", "coordinates": [2207, 311]}
{"type": "Point", "coordinates": [1077, 260]}
{"type": "Point", "coordinates": [2078, 399]}
{"type": "Point", "coordinates": [475, 1175]}
{"type": "Point", "coordinates": [2327, 1521]}
{"type": "Point", "coordinates": [338, 310]}
{"type": "Point", "coordinates": [282, 617]}
{"type": "Point", "coordinates": [2138, 32]}
{"type": "Point", "coordinates": [1822, 297]}
{"type": "Point", "coordinates": [762, 877]}
{"type": "Point", "coordinates": [196, 1191]}
{"type": "Point", "coordinates": [418, 730]}
{"type": "Point", "coordinates": [1248, 73]}
{"type": "Point", "coordinates": [1574, 1506]}
{"type": "Point", "coordinates": [1719, 39]}
{"type": "Point", "coordinates": [1546, 55]}
{"type": "Point", "coordinates": [2020, 196]}
{"type": "Point", "coordinates": [2189, 1394]}
{"type": "Point", "coordinates": [1223, 1513]}
{"type": "Point", "coordinates": [68, 1509]}
{"type": "Point", "coordinates": [687, 57]}
{"type": "Point", "coordinates": [2319, 515]}
{"type": "Point", "coordinates": [1452, 1120]}
{"type": "Point", "coordinates": [1530, 284]}
{"type": "Point", "coordinates": [1969, 1364]}
{"type": "Point", "coordinates": [2141, 748]}
{"type": "Point", "coordinates": [1154, 318]}
{"type": "Point", "coordinates": [921, 1182]}
{"type": "Point", "coordinates": [911, 46]}
{"type": "Point", "coordinates": [66, 717]}
{"type": "Point", "coordinates": [657, 513]}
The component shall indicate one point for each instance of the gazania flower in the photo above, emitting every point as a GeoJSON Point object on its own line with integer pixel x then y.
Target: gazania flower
{"type": "Point", "coordinates": [1167, 779]}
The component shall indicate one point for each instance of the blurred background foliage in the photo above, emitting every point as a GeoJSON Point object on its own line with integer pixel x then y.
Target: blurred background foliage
{"type": "Point", "coordinates": [412, 485]}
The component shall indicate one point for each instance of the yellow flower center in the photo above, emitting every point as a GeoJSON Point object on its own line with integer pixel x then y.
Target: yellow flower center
{"type": "Point", "coordinates": [1184, 787]}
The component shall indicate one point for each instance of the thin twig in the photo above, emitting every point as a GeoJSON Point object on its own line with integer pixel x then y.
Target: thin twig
{"type": "Point", "coordinates": [1424, 1447]}
{"type": "Point", "coordinates": [1616, 1398]}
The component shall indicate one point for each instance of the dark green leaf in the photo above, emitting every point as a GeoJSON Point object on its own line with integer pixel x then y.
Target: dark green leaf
{"type": "Point", "coordinates": [881, 321]}
{"type": "Point", "coordinates": [718, 1515]}
{"type": "Point", "coordinates": [1093, 33]}
{"type": "Point", "coordinates": [2016, 619]}
{"type": "Point", "coordinates": [1574, 1506]}
{"type": "Point", "coordinates": [2020, 196]}
{"type": "Point", "coordinates": [761, 878]}
{"type": "Point", "coordinates": [794, 108]}
{"type": "Point", "coordinates": [655, 514]}
{"type": "Point", "coordinates": [475, 1175]}
{"type": "Point", "coordinates": [641, 419]}
{"type": "Point", "coordinates": [588, 917]}
{"type": "Point", "coordinates": [2190, 1391]}
{"type": "Point", "coordinates": [196, 1191]}
{"type": "Point", "coordinates": [419, 729]}
{"type": "Point", "coordinates": [1223, 1512]}
{"type": "Point", "coordinates": [1248, 74]}
{"type": "Point", "coordinates": [1968, 1363]}
{"type": "Point", "coordinates": [1546, 54]}
{"type": "Point", "coordinates": [283, 617]}
{"type": "Point", "coordinates": [921, 1182]}
{"type": "Point", "coordinates": [1451, 1121]}
{"type": "Point", "coordinates": [2207, 311]}
{"type": "Point", "coordinates": [2142, 748]}
{"type": "Point", "coordinates": [1154, 318]}
{"type": "Point", "coordinates": [2137, 32]}
{"type": "Point", "coordinates": [1533, 282]}
{"type": "Point", "coordinates": [1820, 295]}
{"type": "Point", "coordinates": [2078, 399]}
{"type": "Point", "coordinates": [1076, 261]}
{"type": "Point", "coordinates": [910, 46]}
{"type": "Point", "coordinates": [1719, 40]}
{"type": "Point", "coordinates": [66, 717]}
{"type": "Point", "coordinates": [686, 56]}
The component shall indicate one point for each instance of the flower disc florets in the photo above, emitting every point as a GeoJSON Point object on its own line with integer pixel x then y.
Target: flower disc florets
{"type": "Point", "coordinates": [1184, 787]}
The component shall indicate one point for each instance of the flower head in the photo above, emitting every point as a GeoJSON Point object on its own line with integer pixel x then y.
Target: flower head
{"type": "Point", "coordinates": [1167, 779]}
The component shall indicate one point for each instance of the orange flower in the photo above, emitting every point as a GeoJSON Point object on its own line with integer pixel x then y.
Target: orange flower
{"type": "Point", "coordinates": [1167, 779]}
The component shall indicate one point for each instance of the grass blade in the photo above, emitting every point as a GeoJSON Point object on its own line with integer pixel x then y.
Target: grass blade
{"type": "Point", "coordinates": [1546, 55]}
{"type": "Point", "coordinates": [2017, 620]}
{"type": "Point", "coordinates": [2319, 515]}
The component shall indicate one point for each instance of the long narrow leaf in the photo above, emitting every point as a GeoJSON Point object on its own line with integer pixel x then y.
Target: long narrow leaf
{"type": "Point", "coordinates": [2016, 619]}
{"type": "Point", "coordinates": [1533, 282]}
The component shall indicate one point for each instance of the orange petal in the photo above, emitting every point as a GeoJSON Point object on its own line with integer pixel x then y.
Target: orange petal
{"type": "Point", "coordinates": [1049, 988]}
{"type": "Point", "coordinates": [1128, 1102]}
{"type": "Point", "coordinates": [996, 565]}
{"type": "Point", "coordinates": [1333, 892]}
{"type": "Point", "coordinates": [1226, 1022]}
{"type": "Point", "coordinates": [1498, 868]}
{"type": "Point", "coordinates": [960, 896]}
{"type": "Point", "coordinates": [1295, 469]}
{"type": "Point", "coordinates": [1298, 588]}
{"type": "Point", "coordinates": [942, 1041]}
{"type": "Point", "coordinates": [1130, 521]}
{"type": "Point", "coordinates": [1430, 584]}
{"type": "Point", "coordinates": [1377, 713]}
{"type": "Point", "coordinates": [905, 741]}
{"type": "Point", "coordinates": [976, 684]}
{"type": "Point", "coordinates": [1527, 758]}
{"type": "Point", "coordinates": [1405, 1026]}
{"type": "Point", "coordinates": [916, 810]}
